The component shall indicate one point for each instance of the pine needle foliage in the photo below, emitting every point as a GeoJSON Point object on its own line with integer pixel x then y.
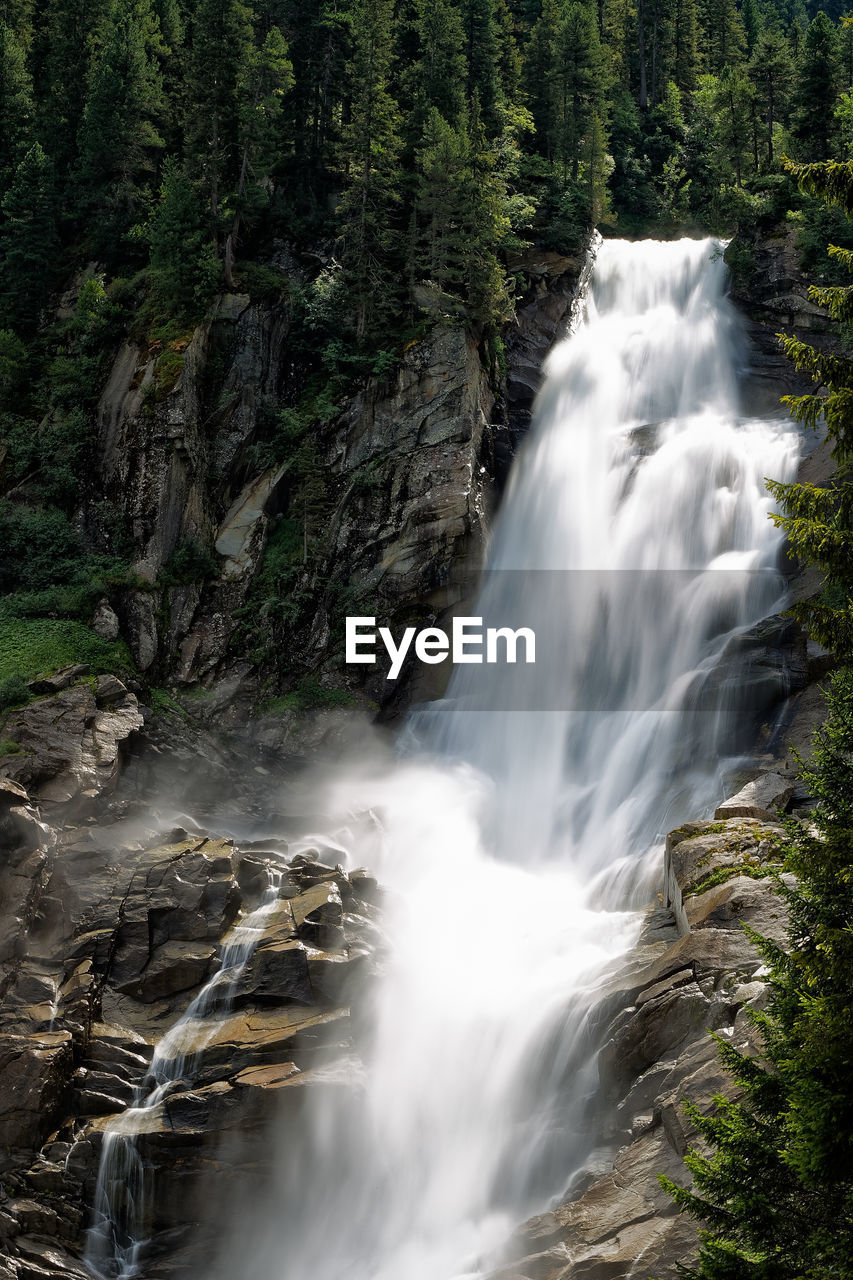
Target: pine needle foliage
{"type": "Point", "coordinates": [775, 1196]}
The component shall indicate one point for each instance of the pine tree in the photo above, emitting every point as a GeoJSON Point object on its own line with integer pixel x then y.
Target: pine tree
{"type": "Point", "coordinates": [444, 164]}
{"type": "Point", "coordinates": [818, 83]}
{"type": "Point", "coordinates": [62, 53]}
{"type": "Point", "coordinates": [16, 104]}
{"type": "Point", "coordinates": [438, 74]}
{"type": "Point", "coordinates": [28, 241]}
{"type": "Point", "coordinates": [771, 70]}
{"type": "Point", "coordinates": [685, 55]}
{"type": "Point", "coordinates": [579, 82]}
{"type": "Point", "coordinates": [483, 54]}
{"type": "Point", "coordinates": [222, 43]}
{"type": "Point", "coordinates": [775, 1197]}
{"type": "Point", "coordinates": [119, 141]}
{"type": "Point", "coordinates": [269, 77]}
{"type": "Point", "coordinates": [752, 20]}
{"type": "Point", "coordinates": [734, 99]}
{"type": "Point", "coordinates": [819, 520]}
{"type": "Point", "coordinates": [369, 151]}
{"type": "Point", "coordinates": [540, 76]}
{"type": "Point", "coordinates": [183, 263]}
{"type": "Point", "coordinates": [723, 40]}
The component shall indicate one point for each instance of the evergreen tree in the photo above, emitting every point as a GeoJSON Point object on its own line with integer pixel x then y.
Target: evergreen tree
{"type": "Point", "coordinates": [119, 141]}
{"type": "Point", "coordinates": [221, 50]}
{"type": "Point", "coordinates": [734, 98]}
{"type": "Point", "coordinates": [685, 55]}
{"type": "Point", "coordinates": [62, 53]}
{"type": "Point", "coordinates": [437, 77]}
{"type": "Point", "coordinates": [816, 90]}
{"type": "Point", "coordinates": [183, 264]}
{"type": "Point", "coordinates": [483, 54]}
{"type": "Point", "coordinates": [28, 241]}
{"type": "Point", "coordinates": [771, 71]}
{"type": "Point", "coordinates": [776, 1194]}
{"type": "Point", "coordinates": [269, 79]}
{"type": "Point", "coordinates": [540, 76]}
{"type": "Point", "coordinates": [752, 20]}
{"type": "Point", "coordinates": [723, 41]}
{"type": "Point", "coordinates": [579, 84]}
{"type": "Point", "coordinates": [16, 104]}
{"type": "Point", "coordinates": [369, 152]}
{"type": "Point", "coordinates": [444, 190]}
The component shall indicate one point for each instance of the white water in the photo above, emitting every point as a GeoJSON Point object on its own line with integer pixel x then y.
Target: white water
{"type": "Point", "coordinates": [516, 844]}
{"type": "Point", "coordinates": [115, 1245]}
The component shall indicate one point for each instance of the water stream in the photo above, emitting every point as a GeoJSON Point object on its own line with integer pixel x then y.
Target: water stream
{"type": "Point", "coordinates": [115, 1243]}
{"type": "Point", "coordinates": [519, 834]}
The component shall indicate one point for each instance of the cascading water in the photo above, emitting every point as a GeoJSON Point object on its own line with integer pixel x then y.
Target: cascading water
{"type": "Point", "coordinates": [115, 1241]}
{"type": "Point", "coordinates": [519, 833]}
{"type": "Point", "coordinates": [635, 540]}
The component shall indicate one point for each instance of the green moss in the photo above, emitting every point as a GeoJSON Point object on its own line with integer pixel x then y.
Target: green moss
{"type": "Point", "coordinates": [32, 646]}
{"type": "Point", "coordinates": [10, 748]}
{"type": "Point", "coordinates": [162, 702]}
{"type": "Point", "coordinates": [755, 871]}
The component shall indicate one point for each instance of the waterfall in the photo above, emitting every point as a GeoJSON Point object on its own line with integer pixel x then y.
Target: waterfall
{"type": "Point", "coordinates": [115, 1242]}
{"type": "Point", "coordinates": [519, 831]}
{"type": "Point", "coordinates": [518, 835]}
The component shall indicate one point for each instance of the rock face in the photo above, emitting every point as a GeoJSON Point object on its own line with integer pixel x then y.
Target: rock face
{"type": "Point", "coordinates": [107, 938]}
{"type": "Point", "coordinates": [693, 972]}
{"type": "Point", "coordinates": [71, 742]}
{"type": "Point", "coordinates": [411, 465]}
{"type": "Point", "coordinates": [771, 290]}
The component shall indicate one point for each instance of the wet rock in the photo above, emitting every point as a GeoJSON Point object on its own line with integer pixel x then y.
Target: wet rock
{"type": "Point", "coordinates": [72, 746]}
{"type": "Point", "coordinates": [34, 1071]}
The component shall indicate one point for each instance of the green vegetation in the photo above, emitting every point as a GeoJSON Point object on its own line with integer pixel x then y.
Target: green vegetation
{"type": "Point", "coordinates": [775, 1194]}
{"type": "Point", "coordinates": [754, 871]}
{"type": "Point", "coordinates": [406, 152]}
{"type": "Point", "coordinates": [309, 695]}
{"type": "Point", "coordinates": [30, 646]}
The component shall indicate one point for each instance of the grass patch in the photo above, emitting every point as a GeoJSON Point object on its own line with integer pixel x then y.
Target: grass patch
{"type": "Point", "coordinates": [10, 748]}
{"type": "Point", "coordinates": [35, 646]}
{"type": "Point", "coordinates": [309, 695]}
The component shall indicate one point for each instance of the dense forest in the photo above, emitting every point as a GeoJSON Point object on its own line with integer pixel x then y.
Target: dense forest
{"type": "Point", "coordinates": [154, 152]}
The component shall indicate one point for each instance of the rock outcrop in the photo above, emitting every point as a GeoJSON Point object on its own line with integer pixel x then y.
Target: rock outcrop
{"type": "Point", "coordinates": [70, 742]}
{"type": "Point", "coordinates": [411, 466]}
{"type": "Point", "coordinates": [109, 934]}
{"type": "Point", "coordinates": [693, 972]}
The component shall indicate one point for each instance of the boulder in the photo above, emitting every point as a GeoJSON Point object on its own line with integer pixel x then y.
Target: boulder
{"type": "Point", "coordinates": [761, 799]}
{"type": "Point", "coordinates": [105, 621]}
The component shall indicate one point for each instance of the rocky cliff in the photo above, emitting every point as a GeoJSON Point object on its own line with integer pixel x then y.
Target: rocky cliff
{"type": "Point", "coordinates": [407, 474]}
